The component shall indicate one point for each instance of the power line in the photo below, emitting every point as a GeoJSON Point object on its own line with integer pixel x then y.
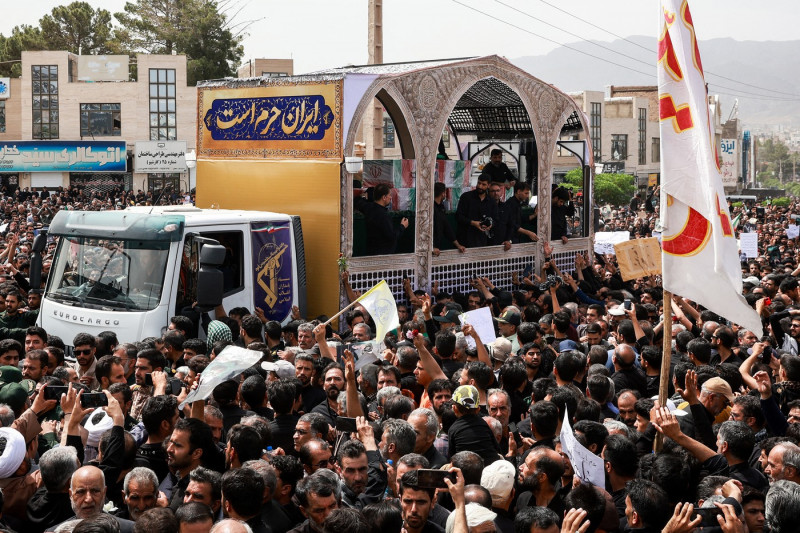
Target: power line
{"type": "Point", "coordinates": [742, 93]}
{"type": "Point", "coordinates": [648, 63]}
{"type": "Point", "coordinates": [645, 48]}
{"type": "Point", "coordinates": [548, 39]}
{"type": "Point", "coordinates": [595, 25]}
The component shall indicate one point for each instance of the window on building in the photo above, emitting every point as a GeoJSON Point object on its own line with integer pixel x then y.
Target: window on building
{"type": "Point", "coordinates": [388, 131]}
{"type": "Point", "coordinates": [44, 89]}
{"type": "Point", "coordinates": [101, 120]}
{"type": "Point", "coordinates": [163, 185]}
{"type": "Point", "coordinates": [642, 135]}
{"type": "Point", "coordinates": [595, 129]}
{"type": "Point", "coordinates": [619, 147]}
{"type": "Point", "coordinates": [274, 74]}
{"type": "Point", "coordinates": [446, 138]}
{"type": "Point", "coordinates": [163, 118]}
{"type": "Point", "coordinates": [655, 149]}
{"type": "Point", "coordinates": [2, 116]}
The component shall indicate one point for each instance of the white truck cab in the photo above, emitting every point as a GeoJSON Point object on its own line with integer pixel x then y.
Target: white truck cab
{"type": "Point", "coordinates": [130, 271]}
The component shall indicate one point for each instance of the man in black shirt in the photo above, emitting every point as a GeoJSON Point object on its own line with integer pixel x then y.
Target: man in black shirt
{"type": "Point", "coordinates": [282, 397]}
{"type": "Point", "coordinates": [382, 235]}
{"type": "Point", "coordinates": [513, 212]}
{"type": "Point", "coordinates": [473, 207]}
{"type": "Point", "coordinates": [498, 171]}
{"type": "Point", "coordinates": [442, 230]}
{"type": "Point", "coordinates": [560, 209]}
{"type": "Point", "coordinates": [470, 432]}
{"type": "Point", "coordinates": [500, 234]}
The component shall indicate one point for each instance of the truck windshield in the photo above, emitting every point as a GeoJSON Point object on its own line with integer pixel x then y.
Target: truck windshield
{"type": "Point", "coordinates": [117, 274]}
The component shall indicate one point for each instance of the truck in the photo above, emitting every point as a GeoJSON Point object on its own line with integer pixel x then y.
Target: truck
{"type": "Point", "coordinates": [131, 270]}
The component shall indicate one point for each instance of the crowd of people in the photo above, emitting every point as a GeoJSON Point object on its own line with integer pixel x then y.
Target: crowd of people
{"type": "Point", "coordinates": [444, 431]}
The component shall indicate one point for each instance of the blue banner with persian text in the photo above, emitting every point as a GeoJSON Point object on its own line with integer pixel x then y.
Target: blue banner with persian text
{"type": "Point", "coordinates": [273, 285]}
{"type": "Point", "coordinates": [63, 156]}
{"type": "Point", "coordinates": [275, 118]}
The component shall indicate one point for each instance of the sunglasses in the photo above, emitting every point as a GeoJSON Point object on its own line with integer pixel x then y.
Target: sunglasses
{"type": "Point", "coordinates": [82, 352]}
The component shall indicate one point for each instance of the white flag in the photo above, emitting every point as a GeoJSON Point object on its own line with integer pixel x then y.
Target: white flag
{"type": "Point", "coordinates": [380, 303]}
{"type": "Point", "coordinates": [700, 258]}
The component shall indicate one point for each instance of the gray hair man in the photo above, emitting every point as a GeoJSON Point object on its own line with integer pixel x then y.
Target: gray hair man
{"type": "Point", "coordinates": [139, 491]}
{"type": "Point", "coordinates": [48, 506]}
{"type": "Point", "coordinates": [426, 426]}
{"type": "Point", "coordinates": [782, 506]}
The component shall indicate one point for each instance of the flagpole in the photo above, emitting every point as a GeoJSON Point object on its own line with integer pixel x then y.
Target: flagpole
{"type": "Point", "coordinates": [666, 346]}
{"type": "Point", "coordinates": [337, 315]}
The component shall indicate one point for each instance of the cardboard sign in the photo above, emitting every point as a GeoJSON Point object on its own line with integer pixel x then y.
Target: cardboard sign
{"type": "Point", "coordinates": [638, 258]}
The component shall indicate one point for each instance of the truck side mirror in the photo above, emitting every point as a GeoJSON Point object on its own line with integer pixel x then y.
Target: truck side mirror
{"type": "Point", "coordinates": [38, 247]}
{"type": "Point", "coordinates": [209, 278]}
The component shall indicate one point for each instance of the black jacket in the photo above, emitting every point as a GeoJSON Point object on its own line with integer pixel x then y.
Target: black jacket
{"type": "Point", "coordinates": [48, 509]}
{"type": "Point", "coordinates": [382, 234]}
{"type": "Point", "coordinates": [472, 207]}
{"type": "Point", "coordinates": [375, 488]}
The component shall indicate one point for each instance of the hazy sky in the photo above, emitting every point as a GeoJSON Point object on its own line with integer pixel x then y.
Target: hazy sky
{"type": "Point", "coordinates": [321, 34]}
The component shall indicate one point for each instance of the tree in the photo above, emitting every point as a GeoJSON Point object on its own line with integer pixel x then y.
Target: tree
{"type": "Point", "coordinates": [75, 27]}
{"type": "Point", "coordinates": [614, 189]}
{"type": "Point", "coordinates": [78, 28]}
{"type": "Point", "coordinates": [22, 38]}
{"type": "Point", "coordinates": [213, 50]}
{"type": "Point", "coordinates": [153, 26]}
{"type": "Point", "coordinates": [196, 28]}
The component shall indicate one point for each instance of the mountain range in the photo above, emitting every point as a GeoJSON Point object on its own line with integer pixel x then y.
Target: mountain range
{"type": "Point", "coordinates": [771, 70]}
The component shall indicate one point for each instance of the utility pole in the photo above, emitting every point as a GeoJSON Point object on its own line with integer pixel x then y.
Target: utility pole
{"type": "Point", "coordinates": [375, 48]}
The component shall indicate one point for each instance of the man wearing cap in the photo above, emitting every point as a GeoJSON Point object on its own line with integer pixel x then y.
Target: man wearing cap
{"type": "Point", "coordinates": [507, 323]}
{"type": "Point", "coordinates": [278, 370]}
{"type": "Point", "coordinates": [499, 351]}
{"type": "Point", "coordinates": [447, 320]}
{"type": "Point", "coordinates": [734, 444]}
{"type": "Point", "coordinates": [714, 395]}
{"type": "Point", "coordinates": [498, 478]}
{"type": "Point", "coordinates": [470, 432]}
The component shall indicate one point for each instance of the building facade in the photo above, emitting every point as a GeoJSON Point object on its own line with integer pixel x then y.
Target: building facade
{"type": "Point", "coordinates": [99, 122]}
{"type": "Point", "coordinates": [624, 129]}
{"type": "Point", "coordinates": [268, 68]}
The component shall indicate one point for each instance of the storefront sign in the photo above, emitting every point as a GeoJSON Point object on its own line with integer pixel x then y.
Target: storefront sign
{"type": "Point", "coordinates": [729, 162]}
{"type": "Point", "coordinates": [159, 156]}
{"type": "Point", "coordinates": [301, 121]}
{"type": "Point", "coordinates": [63, 156]}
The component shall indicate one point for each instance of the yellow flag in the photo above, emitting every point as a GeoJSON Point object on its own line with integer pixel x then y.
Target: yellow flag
{"type": "Point", "coordinates": [380, 303]}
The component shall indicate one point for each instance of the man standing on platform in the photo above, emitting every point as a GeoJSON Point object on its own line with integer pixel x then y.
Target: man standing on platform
{"type": "Point", "coordinates": [476, 214]}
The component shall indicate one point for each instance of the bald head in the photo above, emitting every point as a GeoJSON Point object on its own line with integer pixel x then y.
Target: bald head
{"type": "Point", "coordinates": [88, 473]}
{"type": "Point", "coordinates": [624, 356]}
{"type": "Point", "coordinates": [231, 526]}
{"type": "Point", "coordinates": [87, 491]}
